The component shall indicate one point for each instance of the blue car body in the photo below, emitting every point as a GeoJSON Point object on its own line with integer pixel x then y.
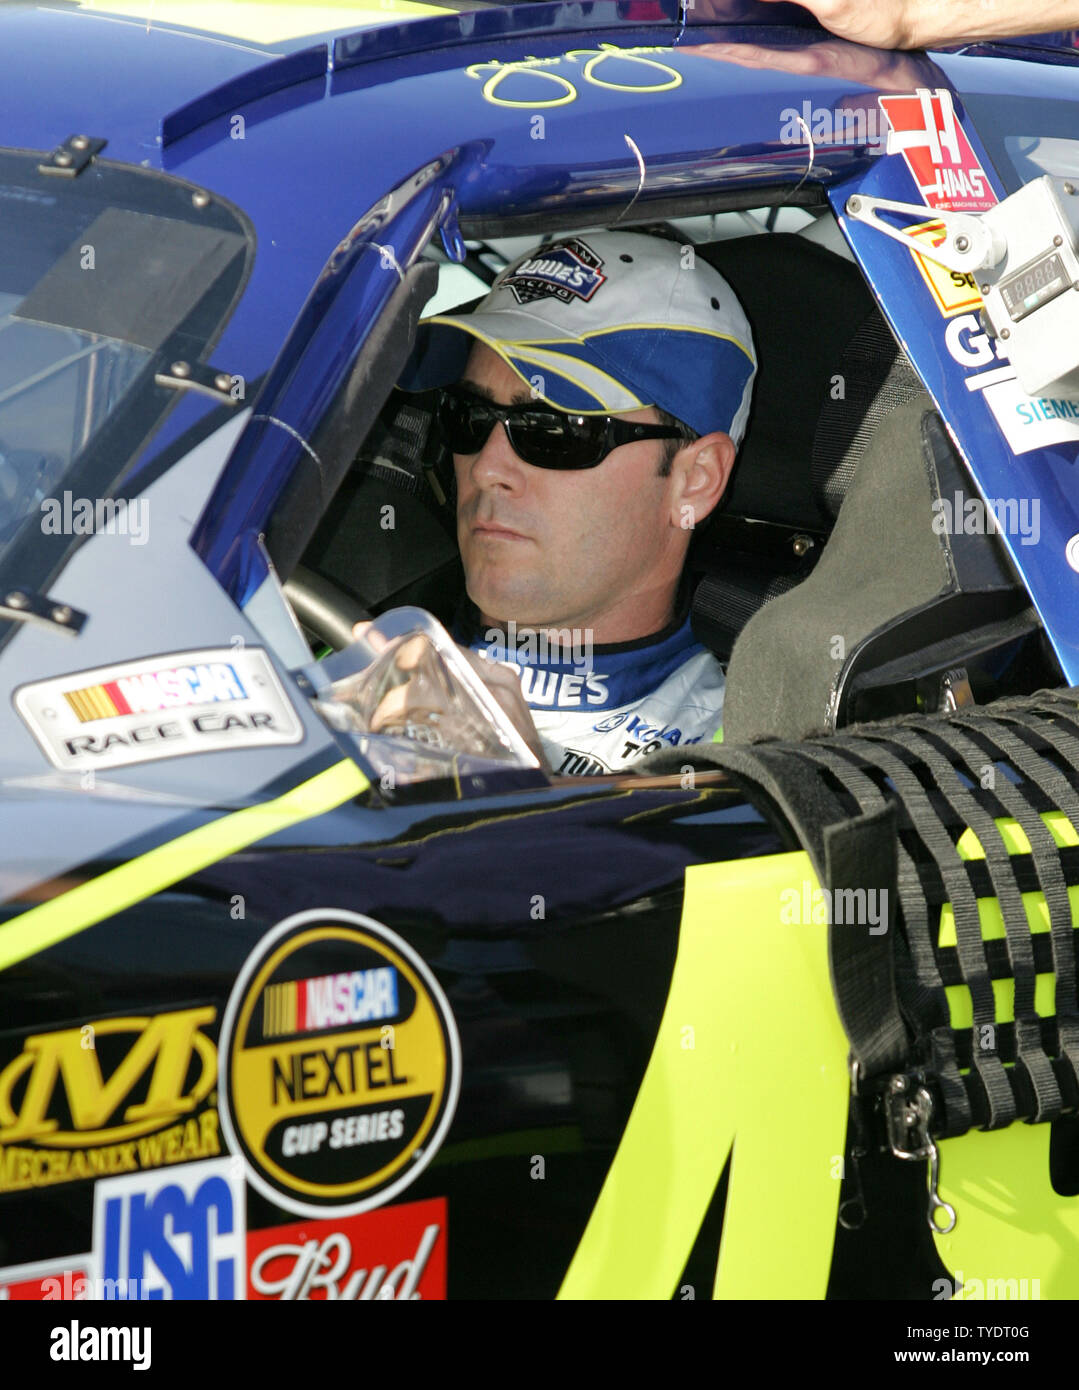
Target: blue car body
{"type": "Point", "coordinates": [335, 160]}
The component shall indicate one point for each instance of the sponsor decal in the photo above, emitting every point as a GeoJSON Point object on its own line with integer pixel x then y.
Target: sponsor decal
{"type": "Point", "coordinates": [1028, 422]}
{"type": "Point", "coordinates": [576, 763]}
{"type": "Point", "coordinates": [936, 150]}
{"type": "Point", "coordinates": [567, 271]}
{"type": "Point", "coordinates": [159, 707]}
{"type": "Point", "coordinates": [172, 1235]}
{"type": "Point", "coordinates": [551, 687]}
{"type": "Point", "coordinates": [340, 1064]}
{"type": "Point", "coordinates": [924, 129]}
{"type": "Point", "coordinates": [953, 291]}
{"type": "Point", "coordinates": [398, 1252]}
{"type": "Point", "coordinates": [119, 1095]}
{"type": "Point", "coordinates": [308, 1006]}
{"type": "Point", "coordinates": [68, 1279]}
{"type": "Point", "coordinates": [178, 687]}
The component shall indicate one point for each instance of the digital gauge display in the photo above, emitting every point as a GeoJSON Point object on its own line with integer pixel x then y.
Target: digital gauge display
{"type": "Point", "coordinates": [1035, 285]}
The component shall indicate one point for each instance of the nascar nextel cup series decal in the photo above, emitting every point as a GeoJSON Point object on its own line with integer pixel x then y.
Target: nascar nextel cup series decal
{"type": "Point", "coordinates": [340, 1064]}
{"type": "Point", "coordinates": [159, 707]}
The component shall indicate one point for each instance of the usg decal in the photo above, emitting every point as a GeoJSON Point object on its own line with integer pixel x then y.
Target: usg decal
{"type": "Point", "coordinates": [172, 1235]}
{"type": "Point", "coordinates": [396, 1253]}
{"type": "Point", "coordinates": [114, 1096]}
{"type": "Point", "coordinates": [159, 707]}
{"type": "Point", "coordinates": [340, 1064]}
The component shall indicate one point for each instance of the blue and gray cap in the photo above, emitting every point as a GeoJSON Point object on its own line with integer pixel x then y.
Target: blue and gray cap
{"type": "Point", "coordinates": [606, 323]}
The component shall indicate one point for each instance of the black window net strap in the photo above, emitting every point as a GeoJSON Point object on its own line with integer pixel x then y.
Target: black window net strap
{"type": "Point", "coordinates": [965, 798]}
{"type": "Point", "coordinates": [999, 1106]}
{"type": "Point", "coordinates": [996, 742]}
{"type": "Point", "coordinates": [932, 770]}
{"type": "Point", "coordinates": [917, 975]}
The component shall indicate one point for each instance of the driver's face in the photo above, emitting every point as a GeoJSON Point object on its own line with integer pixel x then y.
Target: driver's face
{"type": "Point", "coordinates": [555, 549]}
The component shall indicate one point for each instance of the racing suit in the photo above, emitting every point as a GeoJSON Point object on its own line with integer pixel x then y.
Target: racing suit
{"type": "Point", "coordinates": [597, 710]}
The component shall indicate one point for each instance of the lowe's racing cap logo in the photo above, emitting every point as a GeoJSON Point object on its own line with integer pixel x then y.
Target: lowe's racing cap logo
{"type": "Point", "coordinates": [566, 272]}
{"type": "Point", "coordinates": [340, 1064]}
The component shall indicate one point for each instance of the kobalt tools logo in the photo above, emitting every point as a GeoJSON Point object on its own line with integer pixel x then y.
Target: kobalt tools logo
{"type": "Point", "coordinates": [567, 272]}
{"type": "Point", "coordinates": [114, 1096]}
{"type": "Point", "coordinates": [163, 707]}
{"type": "Point", "coordinates": [396, 1253]}
{"type": "Point", "coordinates": [344, 1120]}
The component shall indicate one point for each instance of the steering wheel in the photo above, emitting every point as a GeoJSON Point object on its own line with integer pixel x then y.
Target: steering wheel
{"type": "Point", "coordinates": [324, 611]}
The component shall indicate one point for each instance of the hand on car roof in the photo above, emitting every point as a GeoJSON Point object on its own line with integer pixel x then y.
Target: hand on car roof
{"type": "Point", "coordinates": [923, 23]}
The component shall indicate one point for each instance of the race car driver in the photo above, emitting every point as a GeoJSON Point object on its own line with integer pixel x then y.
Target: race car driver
{"type": "Point", "coordinates": [593, 404]}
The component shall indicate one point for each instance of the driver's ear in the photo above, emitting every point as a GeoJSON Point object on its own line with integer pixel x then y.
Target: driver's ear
{"type": "Point", "coordinates": [701, 470]}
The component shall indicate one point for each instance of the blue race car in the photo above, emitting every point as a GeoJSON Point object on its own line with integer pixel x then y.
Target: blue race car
{"type": "Point", "coordinates": [298, 1004]}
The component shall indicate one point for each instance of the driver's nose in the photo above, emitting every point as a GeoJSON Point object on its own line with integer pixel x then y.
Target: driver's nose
{"type": "Point", "coordinates": [496, 466]}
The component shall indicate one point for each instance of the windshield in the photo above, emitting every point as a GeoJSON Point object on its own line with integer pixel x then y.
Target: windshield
{"type": "Point", "coordinates": [105, 278]}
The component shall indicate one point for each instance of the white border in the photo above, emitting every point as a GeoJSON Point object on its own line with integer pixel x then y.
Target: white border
{"type": "Point", "coordinates": [334, 916]}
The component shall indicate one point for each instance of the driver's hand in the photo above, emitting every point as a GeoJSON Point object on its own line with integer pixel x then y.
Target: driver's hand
{"type": "Point", "coordinates": [499, 680]}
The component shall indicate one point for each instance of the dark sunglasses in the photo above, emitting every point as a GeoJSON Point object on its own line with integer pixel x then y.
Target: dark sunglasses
{"type": "Point", "coordinates": [540, 435]}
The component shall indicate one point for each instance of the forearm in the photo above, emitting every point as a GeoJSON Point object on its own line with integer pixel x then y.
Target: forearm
{"type": "Point", "coordinates": [933, 22]}
{"type": "Point", "coordinates": [929, 23]}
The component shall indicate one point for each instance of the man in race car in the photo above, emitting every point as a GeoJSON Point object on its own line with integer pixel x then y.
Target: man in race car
{"type": "Point", "coordinates": [599, 394]}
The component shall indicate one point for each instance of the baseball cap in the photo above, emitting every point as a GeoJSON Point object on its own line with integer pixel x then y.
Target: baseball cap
{"type": "Point", "coordinates": [604, 323]}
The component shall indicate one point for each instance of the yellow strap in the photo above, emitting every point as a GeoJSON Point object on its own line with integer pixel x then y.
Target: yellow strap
{"type": "Point", "coordinates": [750, 1052]}
{"type": "Point", "coordinates": [159, 868]}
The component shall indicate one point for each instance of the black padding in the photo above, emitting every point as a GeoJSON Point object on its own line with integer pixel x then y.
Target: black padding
{"type": "Point", "coordinates": [804, 304]}
{"type": "Point", "coordinates": [860, 856]}
{"type": "Point", "coordinates": [874, 378]}
{"type": "Point", "coordinates": [882, 559]}
{"type": "Point", "coordinates": [725, 601]}
{"type": "Point", "coordinates": [819, 398]}
{"type": "Point", "coordinates": [316, 479]}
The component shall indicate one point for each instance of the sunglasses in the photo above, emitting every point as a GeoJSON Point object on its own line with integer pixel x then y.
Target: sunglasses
{"type": "Point", "coordinates": [540, 435]}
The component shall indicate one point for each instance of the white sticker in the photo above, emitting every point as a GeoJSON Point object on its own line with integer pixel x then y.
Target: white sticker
{"type": "Point", "coordinates": [219, 699]}
{"type": "Point", "coordinates": [1031, 422]}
